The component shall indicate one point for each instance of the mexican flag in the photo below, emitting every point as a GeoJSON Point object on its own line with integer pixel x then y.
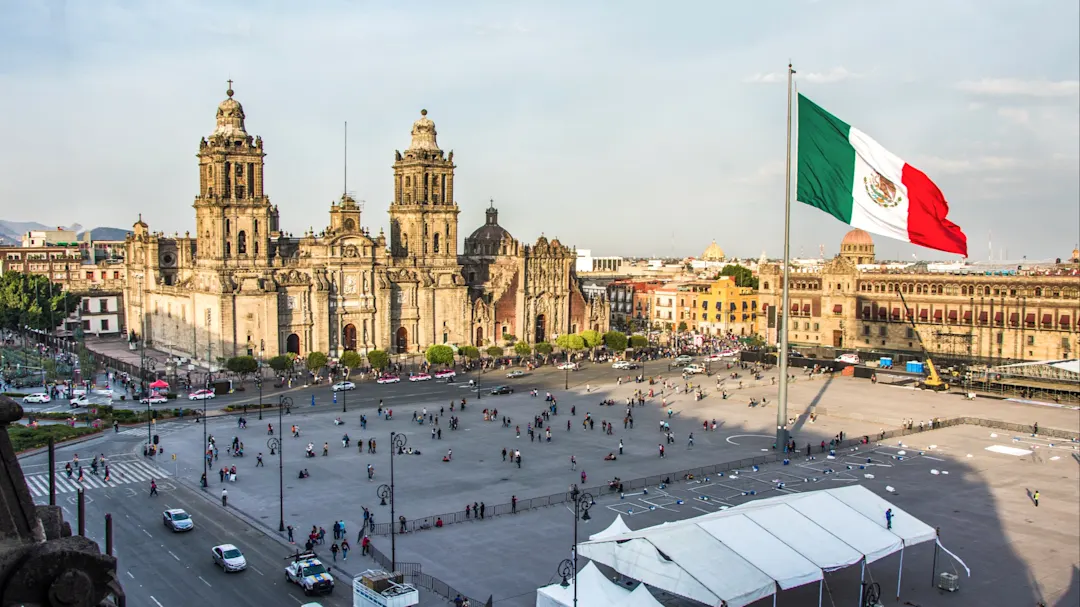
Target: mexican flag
{"type": "Point", "coordinates": [845, 173]}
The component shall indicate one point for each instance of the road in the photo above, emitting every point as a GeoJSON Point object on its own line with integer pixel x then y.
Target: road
{"type": "Point", "coordinates": [160, 568]}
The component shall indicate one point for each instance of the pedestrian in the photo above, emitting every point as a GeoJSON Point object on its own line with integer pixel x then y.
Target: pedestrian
{"type": "Point", "coordinates": [337, 531]}
{"type": "Point", "coordinates": [513, 504]}
{"type": "Point", "coordinates": [468, 511]}
{"type": "Point", "coordinates": [365, 545]}
{"type": "Point", "coordinates": [690, 443]}
{"type": "Point", "coordinates": [483, 508]}
{"type": "Point", "coordinates": [620, 447]}
{"type": "Point", "coordinates": [344, 549]}
{"type": "Point", "coordinates": [290, 530]}
{"type": "Point", "coordinates": [1035, 498]}
{"type": "Point", "coordinates": [573, 463]}
{"type": "Point", "coordinates": [504, 453]}
{"type": "Point", "coordinates": [224, 498]}
{"type": "Point", "coordinates": [583, 477]}
{"type": "Point", "coordinates": [334, 550]}
{"type": "Point", "coordinates": [153, 487]}
{"type": "Point", "coordinates": [401, 523]}
{"type": "Point", "coordinates": [259, 461]}
{"type": "Point", "coordinates": [661, 446]}
{"type": "Point", "coordinates": [888, 518]}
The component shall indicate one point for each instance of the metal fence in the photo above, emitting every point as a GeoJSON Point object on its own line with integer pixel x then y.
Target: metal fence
{"type": "Point", "coordinates": [413, 574]}
{"type": "Point", "coordinates": [451, 518]}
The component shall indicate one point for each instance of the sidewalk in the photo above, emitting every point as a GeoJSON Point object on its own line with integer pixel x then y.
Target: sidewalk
{"type": "Point", "coordinates": [118, 349]}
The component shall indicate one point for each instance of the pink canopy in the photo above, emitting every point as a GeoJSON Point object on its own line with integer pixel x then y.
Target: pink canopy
{"type": "Point", "coordinates": [159, 385]}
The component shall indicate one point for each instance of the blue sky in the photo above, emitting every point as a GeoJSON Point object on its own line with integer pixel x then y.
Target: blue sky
{"type": "Point", "coordinates": [628, 128]}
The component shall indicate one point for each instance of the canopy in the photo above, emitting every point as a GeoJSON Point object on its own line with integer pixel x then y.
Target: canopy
{"type": "Point", "coordinates": [159, 384]}
{"type": "Point", "coordinates": [594, 590]}
{"type": "Point", "coordinates": [742, 554]}
{"type": "Point", "coordinates": [616, 528]}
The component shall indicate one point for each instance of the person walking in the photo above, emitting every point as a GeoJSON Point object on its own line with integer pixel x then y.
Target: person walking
{"type": "Point", "coordinates": [483, 508]}
{"type": "Point", "coordinates": [290, 530]}
{"type": "Point", "coordinates": [513, 504]}
{"type": "Point", "coordinates": [365, 546]}
{"type": "Point", "coordinates": [583, 477]}
{"type": "Point", "coordinates": [334, 550]}
{"type": "Point", "coordinates": [888, 518]}
{"type": "Point", "coordinates": [224, 498]}
{"type": "Point", "coordinates": [1035, 498]}
{"type": "Point", "coordinates": [153, 488]}
{"type": "Point", "coordinates": [259, 461]}
{"type": "Point", "coordinates": [690, 441]}
{"type": "Point", "coordinates": [573, 462]}
{"type": "Point", "coordinates": [345, 549]}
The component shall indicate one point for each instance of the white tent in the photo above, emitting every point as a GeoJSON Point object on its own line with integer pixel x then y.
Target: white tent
{"type": "Point", "coordinates": [617, 527]}
{"type": "Point", "coordinates": [742, 554]}
{"type": "Point", "coordinates": [594, 590]}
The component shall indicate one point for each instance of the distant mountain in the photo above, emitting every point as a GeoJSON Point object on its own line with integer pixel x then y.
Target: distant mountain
{"type": "Point", "coordinates": [11, 232]}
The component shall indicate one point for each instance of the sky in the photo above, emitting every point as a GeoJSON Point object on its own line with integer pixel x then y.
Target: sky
{"type": "Point", "coordinates": [626, 127]}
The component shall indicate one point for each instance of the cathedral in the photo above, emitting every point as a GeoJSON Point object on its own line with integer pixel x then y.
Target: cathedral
{"type": "Point", "coordinates": [241, 286]}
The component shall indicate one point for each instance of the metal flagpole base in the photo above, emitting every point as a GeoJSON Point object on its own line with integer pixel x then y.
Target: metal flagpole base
{"type": "Point", "coordinates": [783, 437]}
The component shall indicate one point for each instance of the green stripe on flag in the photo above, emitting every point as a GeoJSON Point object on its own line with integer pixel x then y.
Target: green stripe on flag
{"type": "Point", "coordinates": [826, 168]}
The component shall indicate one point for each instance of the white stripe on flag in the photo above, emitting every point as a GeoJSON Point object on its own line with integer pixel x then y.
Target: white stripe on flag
{"type": "Point", "coordinates": [872, 159]}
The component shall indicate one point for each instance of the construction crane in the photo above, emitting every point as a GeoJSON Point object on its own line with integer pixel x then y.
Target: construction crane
{"type": "Point", "coordinates": [933, 380]}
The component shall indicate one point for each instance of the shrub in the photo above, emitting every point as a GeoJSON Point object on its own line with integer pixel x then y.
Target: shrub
{"type": "Point", "coordinates": [24, 438]}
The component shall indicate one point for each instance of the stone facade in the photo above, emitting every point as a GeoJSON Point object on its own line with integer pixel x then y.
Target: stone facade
{"type": "Point", "coordinates": [1025, 317]}
{"type": "Point", "coordinates": [241, 285]}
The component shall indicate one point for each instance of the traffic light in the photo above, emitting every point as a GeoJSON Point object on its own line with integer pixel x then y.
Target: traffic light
{"type": "Point", "coordinates": [156, 439]}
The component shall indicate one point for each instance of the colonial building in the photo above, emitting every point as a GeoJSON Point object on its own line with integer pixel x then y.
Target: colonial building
{"type": "Point", "coordinates": [241, 285]}
{"type": "Point", "coordinates": [983, 315]}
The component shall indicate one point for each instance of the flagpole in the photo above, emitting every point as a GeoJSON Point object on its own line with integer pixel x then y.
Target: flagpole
{"type": "Point", "coordinates": [782, 436]}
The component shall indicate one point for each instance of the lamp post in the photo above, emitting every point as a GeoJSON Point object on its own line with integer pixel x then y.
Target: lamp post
{"type": "Point", "coordinates": [566, 380]}
{"type": "Point", "coordinates": [384, 492]}
{"type": "Point", "coordinates": [258, 382]}
{"type": "Point", "coordinates": [275, 443]}
{"type": "Point", "coordinates": [568, 567]}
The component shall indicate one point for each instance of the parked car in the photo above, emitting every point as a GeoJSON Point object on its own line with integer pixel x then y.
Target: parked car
{"type": "Point", "coordinates": [502, 390]}
{"type": "Point", "coordinates": [419, 377]}
{"type": "Point", "coordinates": [624, 364]}
{"type": "Point", "coordinates": [515, 373]}
{"type": "Point", "coordinates": [308, 572]}
{"type": "Point", "coordinates": [693, 369]}
{"type": "Point", "coordinates": [683, 360]}
{"type": "Point", "coordinates": [80, 401]}
{"type": "Point", "coordinates": [571, 366]}
{"type": "Point", "coordinates": [229, 558]}
{"type": "Point", "coordinates": [177, 520]}
{"type": "Point", "coordinates": [388, 379]}
{"type": "Point", "coordinates": [201, 395]}
{"type": "Point", "coordinates": [37, 397]}
{"type": "Point", "coordinates": [154, 399]}
{"type": "Point", "coordinates": [445, 373]}
{"type": "Point", "coordinates": [343, 385]}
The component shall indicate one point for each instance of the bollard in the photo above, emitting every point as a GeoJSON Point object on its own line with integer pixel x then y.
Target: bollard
{"type": "Point", "coordinates": [108, 535]}
{"type": "Point", "coordinates": [82, 513]}
{"type": "Point", "coordinates": [52, 472]}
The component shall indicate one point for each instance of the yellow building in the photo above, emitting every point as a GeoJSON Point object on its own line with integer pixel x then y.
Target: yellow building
{"type": "Point", "coordinates": [728, 309]}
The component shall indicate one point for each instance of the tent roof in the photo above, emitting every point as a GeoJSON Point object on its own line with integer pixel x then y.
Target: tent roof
{"type": "Point", "coordinates": [593, 589]}
{"type": "Point", "coordinates": [742, 554]}
{"type": "Point", "coordinates": [615, 528]}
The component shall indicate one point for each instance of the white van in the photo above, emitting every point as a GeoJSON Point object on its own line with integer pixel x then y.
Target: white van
{"type": "Point", "coordinates": [693, 369]}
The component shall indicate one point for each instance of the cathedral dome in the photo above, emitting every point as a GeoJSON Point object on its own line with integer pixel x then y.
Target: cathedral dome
{"type": "Point", "coordinates": [491, 231]}
{"type": "Point", "coordinates": [857, 237]}
{"type": "Point", "coordinates": [423, 134]}
{"type": "Point", "coordinates": [230, 117]}
{"type": "Point", "coordinates": [1076, 255]}
{"type": "Point", "coordinates": [713, 253]}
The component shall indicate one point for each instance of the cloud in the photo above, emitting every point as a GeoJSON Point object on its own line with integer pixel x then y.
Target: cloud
{"type": "Point", "coordinates": [1014, 114]}
{"type": "Point", "coordinates": [1011, 87]}
{"type": "Point", "coordinates": [769, 172]}
{"type": "Point", "coordinates": [977, 164]}
{"type": "Point", "coordinates": [834, 75]}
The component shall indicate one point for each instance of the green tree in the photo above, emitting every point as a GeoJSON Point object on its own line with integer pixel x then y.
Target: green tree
{"type": "Point", "coordinates": [570, 342]}
{"type": "Point", "coordinates": [51, 372]}
{"type": "Point", "coordinates": [495, 351]}
{"type": "Point", "coordinates": [316, 361]}
{"type": "Point", "coordinates": [350, 359]}
{"type": "Point", "coordinates": [439, 354]}
{"type": "Point", "coordinates": [242, 365]}
{"type": "Point", "coordinates": [592, 338]}
{"type": "Point", "coordinates": [280, 363]}
{"type": "Point", "coordinates": [522, 349]}
{"type": "Point", "coordinates": [682, 326]}
{"type": "Point", "coordinates": [615, 340]}
{"type": "Point", "coordinates": [469, 352]}
{"type": "Point", "coordinates": [638, 341]}
{"type": "Point", "coordinates": [543, 348]}
{"type": "Point", "coordinates": [87, 365]}
{"type": "Point", "coordinates": [509, 338]}
{"type": "Point", "coordinates": [378, 359]}
{"type": "Point", "coordinates": [743, 276]}
{"type": "Point", "coordinates": [34, 301]}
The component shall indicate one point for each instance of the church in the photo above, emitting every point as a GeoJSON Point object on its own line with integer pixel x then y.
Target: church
{"type": "Point", "coordinates": [241, 286]}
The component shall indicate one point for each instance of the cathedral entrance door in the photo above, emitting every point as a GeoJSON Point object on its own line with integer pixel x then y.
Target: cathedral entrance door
{"type": "Point", "coordinates": [838, 339]}
{"type": "Point", "coordinates": [402, 340]}
{"type": "Point", "coordinates": [348, 337]}
{"type": "Point", "coordinates": [292, 343]}
{"type": "Point", "coordinates": [479, 337]}
{"type": "Point", "coordinates": [541, 329]}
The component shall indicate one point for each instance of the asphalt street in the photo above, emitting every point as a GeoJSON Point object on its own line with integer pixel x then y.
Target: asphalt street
{"type": "Point", "coordinates": [161, 568]}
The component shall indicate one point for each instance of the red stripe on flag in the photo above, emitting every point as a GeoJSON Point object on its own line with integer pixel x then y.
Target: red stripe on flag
{"type": "Point", "coordinates": [927, 211]}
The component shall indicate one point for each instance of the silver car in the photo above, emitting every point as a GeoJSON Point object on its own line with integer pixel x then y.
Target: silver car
{"type": "Point", "coordinates": [229, 558]}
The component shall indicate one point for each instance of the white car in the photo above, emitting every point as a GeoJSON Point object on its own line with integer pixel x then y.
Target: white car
{"type": "Point", "coordinates": [571, 366]}
{"type": "Point", "coordinates": [37, 397]}
{"type": "Point", "coordinates": [850, 358]}
{"type": "Point", "coordinates": [683, 360]}
{"type": "Point", "coordinates": [310, 574]}
{"type": "Point", "coordinates": [78, 392]}
{"type": "Point", "coordinates": [229, 558]}
{"type": "Point", "coordinates": [419, 377]}
{"type": "Point", "coordinates": [693, 369]}
{"type": "Point", "coordinates": [388, 379]}
{"type": "Point", "coordinates": [201, 395]}
{"type": "Point", "coordinates": [445, 373]}
{"type": "Point", "coordinates": [177, 520]}
{"type": "Point", "coordinates": [154, 399]}
{"type": "Point", "coordinates": [80, 401]}
{"type": "Point", "coordinates": [623, 364]}
{"type": "Point", "coordinates": [343, 385]}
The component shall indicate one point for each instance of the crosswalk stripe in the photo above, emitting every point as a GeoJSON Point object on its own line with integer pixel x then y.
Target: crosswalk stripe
{"type": "Point", "coordinates": [39, 484]}
{"type": "Point", "coordinates": [121, 473]}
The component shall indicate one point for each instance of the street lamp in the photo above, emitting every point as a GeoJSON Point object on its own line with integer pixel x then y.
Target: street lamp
{"type": "Point", "coordinates": [566, 381]}
{"type": "Point", "coordinates": [568, 567]}
{"type": "Point", "coordinates": [258, 382]}
{"type": "Point", "coordinates": [275, 443]}
{"type": "Point", "coordinates": [397, 441]}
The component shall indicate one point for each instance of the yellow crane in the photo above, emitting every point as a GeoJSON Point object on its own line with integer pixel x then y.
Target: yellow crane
{"type": "Point", "coordinates": [933, 380]}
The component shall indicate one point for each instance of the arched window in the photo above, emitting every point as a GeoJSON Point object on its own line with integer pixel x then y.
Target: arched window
{"type": "Point", "coordinates": [435, 243]}
{"type": "Point", "coordinates": [1038, 291]}
{"type": "Point", "coordinates": [228, 249]}
{"type": "Point", "coordinates": [241, 243]}
{"type": "Point", "coordinates": [256, 243]}
{"type": "Point", "coordinates": [228, 226]}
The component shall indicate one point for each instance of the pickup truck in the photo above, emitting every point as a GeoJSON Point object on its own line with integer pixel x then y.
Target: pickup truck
{"type": "Point", "coordinates": [308, 572]}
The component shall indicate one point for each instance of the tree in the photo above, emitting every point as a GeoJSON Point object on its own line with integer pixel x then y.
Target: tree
{"type": "Point", "coordinates": [543, 348]}
{"type": "Point", "coordinates": [439, 354]}
{"type": "Point", "coordinates": [34, 301]}
{"type": "Point", "coordinates": [509, 338]}
{"type": "Point", "coordinates": [87, 364]}
{"type": "Point", "coordinates": [638, 341]}
{"type": "Point", "coordinates": [350, 359]}
{"type": "Point", "coordinates": [592, 338]}
{"type": "Point", "coordinates": [495, 351]}
{"type": "Point", "coordinates": [570, 342]}
{"type": "Point", "coordinates": [615, 340]}
{"type": "Point", "coordinates": [682, 326]}
{"type": "Point", "coordinates": [469, 352]}
{"type": "Point", "coordinates": [743, 276]}
{"type": "Point", "coordinates": [242, 365]}
{"type": "Point", "coordinates": [316, 361]}
{"type": "Point", "coordinates": [280, 363]}
{"type": "Point", "coordinates": [522, 349]}
{"type": "Point", "coordinates": [378, 359]}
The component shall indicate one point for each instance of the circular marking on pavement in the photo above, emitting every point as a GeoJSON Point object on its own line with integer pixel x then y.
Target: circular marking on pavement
{"type": "Point", "coordinates": [728, 439]}
{"type": "Point", "coordinates": [74, 499]}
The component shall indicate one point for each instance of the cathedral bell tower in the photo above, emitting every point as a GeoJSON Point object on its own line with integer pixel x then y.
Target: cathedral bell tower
{"type": "Point", "coordinates": [423, 214]}
{"type": "Point", "coordinates": [234, 217]}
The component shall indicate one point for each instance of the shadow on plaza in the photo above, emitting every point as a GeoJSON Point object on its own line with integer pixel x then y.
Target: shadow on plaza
{"type": "Point", "coordinates": [520, 551]}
